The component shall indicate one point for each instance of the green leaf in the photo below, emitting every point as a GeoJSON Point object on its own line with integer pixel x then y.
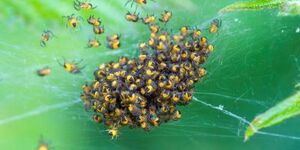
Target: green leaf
{"type": "Point", "coordinates": [286, 7]}
{"type": "Point", "coordinates": [290, 8]}
{"type": "Point", "coordinates": [286, 109]}
{"type": "Point", "coordinates": [252, 5]}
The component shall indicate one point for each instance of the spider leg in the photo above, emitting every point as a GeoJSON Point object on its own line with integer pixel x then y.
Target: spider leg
{"type": "Point", "coordinates": [94, 7]}
{"type": "Point", "coordinates": [76, 7]}
{"type": "Point", "coordinates": [88, 45]}
{"type": "Point", "coordinates": [51, 33]}
{"type": "Point", "coordinates": [60, 62]}
{"type": "Point", "coordinates": [165, 25]}
{"type": "Point", "coordinates": [136, 6]}
{"type": "Point", "coordinates": [138, 16]}
{"type": "Point", "coordinates": [79, 27]}
{"type": "Point", "coordinates": [127, 2]}
{"type": "Point", "coordinates": [81, 68]}
{"type": "Point", "coordinates": [76, 71]}
{"type": "Point", "coordinates": [43, 44]}
{"type": "Point", "coordinates": [80, 18]}
{"type": "Point", "coordinates": [207, 28]}
{"type": "Point", "coordinates": [65, 17]}
{"type": "Point", "coordinates": [77, 63]}
{"type": "Point", "coordinates": [220, 23]}
{"type": "Point", "coordinates": [100, 21]}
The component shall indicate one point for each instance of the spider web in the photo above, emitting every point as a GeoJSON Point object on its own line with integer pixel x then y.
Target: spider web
{"type": "Point", "coordinates": [251, 70]}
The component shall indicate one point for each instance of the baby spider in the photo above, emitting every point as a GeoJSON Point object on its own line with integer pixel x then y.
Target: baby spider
{"type": "Point", "coordinates": [113, 37]}
{"type": "Point", "coordinates": [154, 28]}
{"type": "Point", "coordinates": [114, 44]}
{"type": "Point", "coordinates": [78, 5]}
{"type": "Point", "coordinates": [71, 67]}
{"type": "Point", "coordinates": [149, 19]}
{"type": "Point", "coordinates": [43, 145]}
{"type": "Point", "coordinates": [185, 31]}
{"type": "Point", "coordinates": [132, 17]}
{"type": "Point", "coordinates": [113, 41]}
{"type": "Point", "coordinates": [97, 118]}
{"type": "Point", "coordinates": [93, 43]}
{"type": "Point", "coordinates": [176, 115]}
{"type": "Point", "coordinates": [73, 20]}
{"type": "Point", "coordinates": [215, 25]}
{"type": "Point", "coordinates": [94, 21]}
{"type": "Point", "coordinates": [44, 71]}
{"type": "Point", "coordinates": [178, 38]}
{"type": "Point", "coordinates": [196, 33]}
{"type": "Point", "coordinates": [143, 48]}
{"type": "Point", "coordinates": [165, 17]}
{"type": "Point", "coordinates": [46, 36]}
{"type": "Point", "coordinates": [98, 29]}
{"type": "Point", "coordinates": [113, 132]}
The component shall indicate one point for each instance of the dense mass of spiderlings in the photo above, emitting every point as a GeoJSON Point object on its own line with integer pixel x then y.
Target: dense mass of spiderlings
{"type": "Point", "coordinates": [145, 91]}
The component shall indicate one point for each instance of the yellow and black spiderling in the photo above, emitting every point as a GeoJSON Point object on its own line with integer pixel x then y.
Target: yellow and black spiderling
{"type": "Point", "coordinates": [178, 38]}
{"type": "Point", "coordinates": [113, 41]}
{"type": "Point", "coordinates": [132, 17]}
{"type": "Point", "coordinates": [93, 43]}
{"type": "Point", "coordinates": [154, 28]}
{"type": "Point", "coordinates": [43, 145]}
{"type": "Point", "coordinates": [215, 25]}
{"type": "Point", "coordinates": [97, 118]}
{"type": "Point", "coordinates": [72, 20]}
{"type": "Point", "coordinates": [113, 132]}
{"type": "Point", "coordinates": [196, 33]}
{"type": "Point", "coordinates": [98, 29]}
{"type": "Point", "coordinates": [185, 31]}
{"type": "Point", "coordinates": [94, 21]}
{"type": "Point", "coordinates": [149, 19]}
{"type": "Point", "coordinates": [114, 44]}
{"type": "Point", "coordinates": [78, 5]}
{"type": "Point", "coordinates": [166, 16]}
{"type": "Point", "coordinates": [46, 36]}
{"type": "Point", "coordinates": [144, 92]}
{"type": "Point", "coordinates": [71, 67]}
{"type": "Point", "coordinates": [44, 71]}
{"type": "Point", "coordinates": [143, 49]}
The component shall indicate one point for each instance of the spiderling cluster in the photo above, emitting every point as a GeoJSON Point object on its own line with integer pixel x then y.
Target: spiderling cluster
{"type": "Point", "coordinates": [144, 91]}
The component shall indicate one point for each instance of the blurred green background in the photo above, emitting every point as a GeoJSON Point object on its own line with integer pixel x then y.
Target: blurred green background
{"type": "Point", "coordinates": [255, 65]}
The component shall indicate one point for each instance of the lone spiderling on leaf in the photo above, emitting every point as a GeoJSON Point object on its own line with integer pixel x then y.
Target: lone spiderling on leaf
{"type": "Point", "coordinates": [71, 67]}
{"type": "Point", "coordinates": [46, 36]}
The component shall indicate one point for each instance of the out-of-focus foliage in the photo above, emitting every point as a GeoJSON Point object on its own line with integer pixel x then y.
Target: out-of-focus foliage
{"type": "Point", "coordinates": [289, 107]}
{"type": "Point", "coordinates": [290, 8]}
{"type": "Point", "coordinates": [286, 109]}
{"type": "Point", "coordinates": [286, 7]}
